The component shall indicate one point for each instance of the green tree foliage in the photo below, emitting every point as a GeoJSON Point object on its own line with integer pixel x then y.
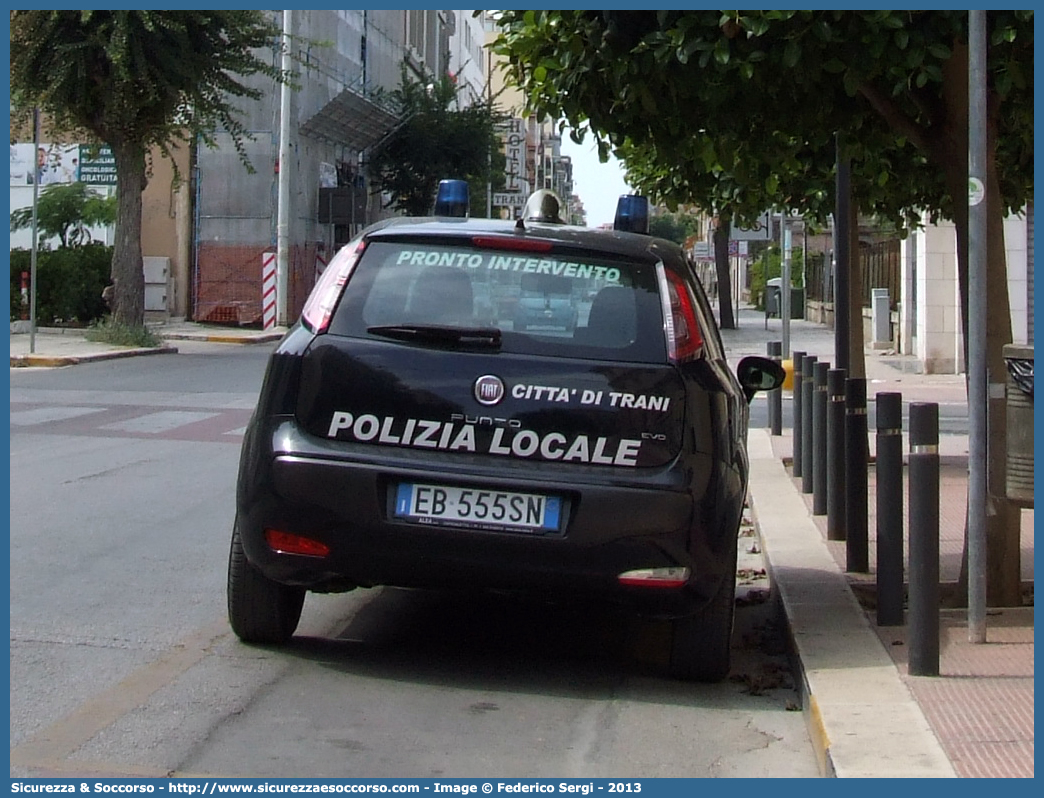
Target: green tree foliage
{"type": "Point", "coordinates": [437, 140]}
{"type": "Point", "coordinates": [65, 211]}
{"type": "Point", "coordinates": [134, 80]}
{"type": "Point", "coordinates": [676, 227]}
{"type": "Point", "coordinates": [739, 111]}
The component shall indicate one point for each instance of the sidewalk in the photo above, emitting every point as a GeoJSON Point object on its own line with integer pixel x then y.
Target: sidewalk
{"type": "Point", "coordinates": [866, 715]}
{"type": "Point", "coordinates": [54, 347]}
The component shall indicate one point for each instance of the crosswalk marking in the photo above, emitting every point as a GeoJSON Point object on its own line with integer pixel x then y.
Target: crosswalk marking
{"type": "Point", "coordinates": [158, 423]}
{"type": "Point", "coordinates": [194, 423]}
{"type": "Point", "coordinates": [44, 415]}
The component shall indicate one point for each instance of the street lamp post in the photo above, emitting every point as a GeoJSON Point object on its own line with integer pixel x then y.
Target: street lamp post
{"type": "Point", "coordinates": [35, 247]}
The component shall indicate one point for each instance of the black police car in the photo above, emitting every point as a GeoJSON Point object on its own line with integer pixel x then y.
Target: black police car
{"type": "Point", "coordinates": [408, 433]}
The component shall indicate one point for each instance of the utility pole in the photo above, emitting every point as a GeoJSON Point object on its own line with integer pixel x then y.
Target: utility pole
{"type": "Point", "coordinates": [842, 262]}
{"type": "Point", "coordinates": [283, 201]}
{"type": "Point", "coordinates": [977, 362]}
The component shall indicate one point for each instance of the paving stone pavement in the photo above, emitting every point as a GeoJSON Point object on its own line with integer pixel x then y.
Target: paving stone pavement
{"type": "Point", "coordinates": [979, 710]}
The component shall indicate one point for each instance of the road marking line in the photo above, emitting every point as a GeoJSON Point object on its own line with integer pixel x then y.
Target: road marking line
{"type": "Point", "coordinates": [157, 423]}
{"type": "Point", "coordinates": [48, 747]}
{"type": "Point", "coordinates": [45, 415]}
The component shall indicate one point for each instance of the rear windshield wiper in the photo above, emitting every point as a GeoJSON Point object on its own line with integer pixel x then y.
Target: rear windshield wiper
{"type": "Point", "coordinates": [440, 334]}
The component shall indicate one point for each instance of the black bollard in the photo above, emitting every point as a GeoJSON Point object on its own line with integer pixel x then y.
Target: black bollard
{"type": "Point", "coordinates": [924, 539]}
{"type": "Point", "coordinates": [857, 550]}
{"type": "Point", "coordinates": [836, 454]}
{"type": "Point", "coordinates": [808, 366]}
{"type": "Point", "coordinates": [819, 444]}
{"type": "Point", "coordinates": [797, 363]}
{"type": "Point", "coordinates": [889, 481]}
{"type": "Point", "coordinates": [775, 398]}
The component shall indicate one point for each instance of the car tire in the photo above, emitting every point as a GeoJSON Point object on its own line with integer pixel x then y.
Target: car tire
{"type": "Point", "coordinates": [701, 644]}
{"type": "Point", "coordinates": [259, 610]}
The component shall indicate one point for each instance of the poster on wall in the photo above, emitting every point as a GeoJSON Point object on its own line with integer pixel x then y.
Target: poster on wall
{"type": "Point", "coordinates": [97, 165]}
{"type": "Point", "coordinates": [45, 164]}
{"type": "Point", "coordinates": [327, 175]}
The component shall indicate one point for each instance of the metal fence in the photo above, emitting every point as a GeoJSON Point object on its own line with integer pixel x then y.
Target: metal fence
{"type": "Point", "coordinates": [819, 282]}
{"type": "Point", "coordinates": [879, 267]}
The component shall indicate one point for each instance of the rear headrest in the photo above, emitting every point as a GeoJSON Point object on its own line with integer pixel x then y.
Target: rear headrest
{"type": "Point", "coordinates": [613, 320]}
{"type": "Point", "coordinates": [442, 295]}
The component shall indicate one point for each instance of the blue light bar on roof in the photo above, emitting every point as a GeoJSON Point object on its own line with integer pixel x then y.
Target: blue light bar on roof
{"type": "Point", "coordinates": [632, 214]}
{"type": "Point", "coordinates": [453, 199]}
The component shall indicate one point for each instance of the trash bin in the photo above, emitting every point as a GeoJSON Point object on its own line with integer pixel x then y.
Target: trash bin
{"type": "Point", "coordinates": [797, 303]}
{"type": "Point", "coordinates": [773, 297]}
{"type": "Point", "coordinates": [1018, 396]}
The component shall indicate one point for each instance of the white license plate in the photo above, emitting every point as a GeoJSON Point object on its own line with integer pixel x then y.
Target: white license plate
{"type": "Point", "coordinates": [477, 508]}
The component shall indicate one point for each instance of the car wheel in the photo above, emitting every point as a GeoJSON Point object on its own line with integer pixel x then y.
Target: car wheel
{"type": "Point", "coordinates": [259, 610]}
{"type": "Point", "coordinates": [701, 644]}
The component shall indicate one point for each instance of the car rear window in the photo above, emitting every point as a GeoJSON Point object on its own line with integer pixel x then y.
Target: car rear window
{"type": "Point", "coordinates": [563, 302]}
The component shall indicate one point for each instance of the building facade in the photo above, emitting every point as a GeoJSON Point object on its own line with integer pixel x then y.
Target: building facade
{"type": "Point", "coordinates": [346, 62]}
{"type": "Point", "coordinates": [929, 318]}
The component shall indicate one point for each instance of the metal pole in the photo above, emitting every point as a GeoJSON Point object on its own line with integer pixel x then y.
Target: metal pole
{"type": "Point", "coordinates": [784, 296]}
{"type": "Point", "coordinates": [857, 553]}
{"type": "Point", "coordinates": [977, 356]}
{"type": "Point", "coordinates": [836, 454]}
{"type": "Point", "coordinates": [924, 539]}
{"type": "Point", "coordinates": [842, 267]}
{"type": "Point", "coordinates": [283, 210]}
{"type": "Point", "coordinates": [819, 443]}
{"type": "Point", "coordinates": [808, 367]}
{"type": "Point", "coordinates": [775, 398]}
{"type": "Point", "coordinates": [889, 490]}
{"type": "Point", "coordinates": [736, 294]}
{"type": "Point", "coordinates": [797, 362]}
{"type": "Point", "coordinates": [489, 183]}
{"type": "Point", "coordinates": [35, 245]}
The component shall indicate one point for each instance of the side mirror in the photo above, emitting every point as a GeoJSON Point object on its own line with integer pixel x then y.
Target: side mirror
{"type": "Point", "coordinates": [758, 373]}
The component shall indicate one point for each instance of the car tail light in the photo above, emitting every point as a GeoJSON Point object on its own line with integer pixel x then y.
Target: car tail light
{"type": "Point", "coordinates": [321, 302]}
{"type": "Point", "coordinates": [514, 244]}
{"type": "Point", "coordinates": [684, 339]}
{"type": "Point", "coordinates": [287, 543]}
{"type": "Point", "coordinates": [672, 576]}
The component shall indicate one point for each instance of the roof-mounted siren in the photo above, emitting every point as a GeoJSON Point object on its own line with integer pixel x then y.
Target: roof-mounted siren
{"type": "Point", "coordinates": [453, 199]}
{"type": "Point", "coordinates": [543, 206]}
{"type": "Point", "coordinates": [632, 214]}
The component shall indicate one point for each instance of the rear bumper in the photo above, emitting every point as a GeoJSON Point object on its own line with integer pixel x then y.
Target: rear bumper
{"type": "Point", "coordinates": [613, 525]}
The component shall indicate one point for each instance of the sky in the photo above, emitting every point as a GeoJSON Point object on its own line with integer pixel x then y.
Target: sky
{"type": "Point", "coordinates": [599, 185]}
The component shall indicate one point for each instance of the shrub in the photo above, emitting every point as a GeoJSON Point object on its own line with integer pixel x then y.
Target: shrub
{"type": "Point", "coordinates": [112, 332]}
{"type": "Point", "coordinates": [769, 265]}
{"type": "Point", "coordinates": [69, 283]}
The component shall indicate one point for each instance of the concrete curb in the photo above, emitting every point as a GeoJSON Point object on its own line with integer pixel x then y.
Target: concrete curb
{"type": "Point", "coordinates": [218, 338]}
{"type": "Point", "coordinates": [861, 717]}
{"type": "Point", "coordinates": [56, 361]}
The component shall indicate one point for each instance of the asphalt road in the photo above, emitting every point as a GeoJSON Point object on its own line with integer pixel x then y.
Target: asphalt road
{"type": "Point", "coordinates": [122, 662]}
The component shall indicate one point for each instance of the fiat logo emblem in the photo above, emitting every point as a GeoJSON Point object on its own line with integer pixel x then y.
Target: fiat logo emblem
{"type": "Point", "coordinates": [489, 390]}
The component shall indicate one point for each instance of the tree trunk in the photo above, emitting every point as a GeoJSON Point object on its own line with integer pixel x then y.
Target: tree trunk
{"type": "Point", "coordinates": [128, 276]}
{"type": "Point", "coordinates": [726, 318]}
